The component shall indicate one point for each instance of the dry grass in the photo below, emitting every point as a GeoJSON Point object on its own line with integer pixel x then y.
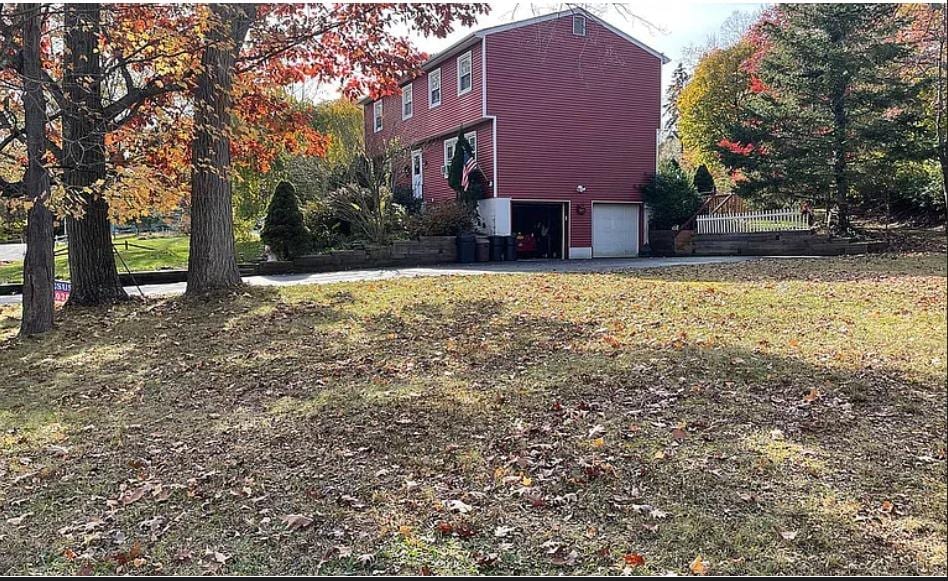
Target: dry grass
{"type": "Point", "coordinates": [771, 417]}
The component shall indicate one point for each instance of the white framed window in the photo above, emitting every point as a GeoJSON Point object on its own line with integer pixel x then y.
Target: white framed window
{"type": "Point", "coordinates": [465, 73]}
{"type": "Point", "coordinates": [579, 25]}
{"type": "Point", "coordinates": [434, 88]}
{"type": "Point", "coordinates": [450, 144]}
{"type": "Point", "coordinates": [407, 102]}
{"type": "Point", "coordinates": [377, 116]}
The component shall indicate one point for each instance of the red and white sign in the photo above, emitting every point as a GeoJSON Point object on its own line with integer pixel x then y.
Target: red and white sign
{"type": "Point", "coordinates": [61, 290]}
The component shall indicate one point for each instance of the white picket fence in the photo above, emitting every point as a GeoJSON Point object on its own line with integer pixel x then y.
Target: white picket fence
{"type": "Point", "coordinates": [749, 222]}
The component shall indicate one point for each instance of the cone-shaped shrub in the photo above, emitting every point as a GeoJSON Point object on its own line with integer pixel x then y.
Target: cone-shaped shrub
{"type": "Point", "coordinates": [704, 181]}
{"type": "Point", "coordinates": [283, 229]}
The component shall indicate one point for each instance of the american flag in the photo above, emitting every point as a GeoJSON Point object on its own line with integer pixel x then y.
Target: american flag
{"type": "Point", "coordinates": [470, 166]}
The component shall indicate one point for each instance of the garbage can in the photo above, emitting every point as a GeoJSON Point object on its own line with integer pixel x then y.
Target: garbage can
{"type": "Point", "coordinates": [511, 248]}
{"type": "Point", "coordinates": [466, 248]}
{"type": "Point", "coordinates": [483, 249]}
{"type": "Point", "coordinates": [498, 247]}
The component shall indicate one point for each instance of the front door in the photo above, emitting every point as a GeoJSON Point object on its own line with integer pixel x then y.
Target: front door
{"type": "Point", "coordinates": [416, 172]}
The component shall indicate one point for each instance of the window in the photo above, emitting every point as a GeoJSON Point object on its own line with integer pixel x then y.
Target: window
{"type": "Point", "coordinates": [377, 116]}
{"type": "Point", "coordinates": [579, 25]}
{"type": "Point", "coordinates": [434, 88]}
{"type": "Point", "coordinates": [407, 104]}
{"type": "Point", "coordinates": [449, 145]}
{"type": "Point", "coordinates": [465, 76]}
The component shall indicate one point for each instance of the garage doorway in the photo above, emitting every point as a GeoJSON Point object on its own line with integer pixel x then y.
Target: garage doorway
{"type": "Point", "coordinates": [540, 229]}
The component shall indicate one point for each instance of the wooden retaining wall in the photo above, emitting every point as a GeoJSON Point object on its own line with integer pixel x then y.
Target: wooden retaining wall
{"type": "Point", "coordinates": [780, 244]}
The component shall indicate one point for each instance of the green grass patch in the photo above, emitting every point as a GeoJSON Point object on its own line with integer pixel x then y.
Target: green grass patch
{"type": "Point", "coordinates": [773, 417]}
{"type": "Point", "coordinates": [139, 254]}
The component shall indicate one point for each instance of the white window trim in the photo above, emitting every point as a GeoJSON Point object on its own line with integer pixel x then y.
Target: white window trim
{"type": "Point", "coordinates": [451, 142]}
{"type": "Point", "coordinates": [431, 103]}
{"type": "Point", "coordinates": [421, 173]}
{"type": "Point", "coordinates": [470, 60]}
{"type": "Point", "coordinates": [580, 18]}
{"type": "Point", "coordinates": [377, 116]}
{"type": "Point", "coordinates": [410, 100]}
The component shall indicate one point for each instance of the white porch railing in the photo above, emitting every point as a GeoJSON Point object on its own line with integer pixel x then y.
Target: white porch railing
{"type": "Point", "coordinates": [749, 222]}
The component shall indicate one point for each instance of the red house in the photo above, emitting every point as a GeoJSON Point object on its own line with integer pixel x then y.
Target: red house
{"type": "Point", "coordinates": [563, 111]}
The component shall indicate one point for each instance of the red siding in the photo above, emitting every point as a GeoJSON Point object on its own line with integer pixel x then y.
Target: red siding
{"type": "Point", "coordinates": [572, 111]}
{"type": "Point", "coordinates": [427, 128]}
{"type": "Point", "coordinates": [435, 186]}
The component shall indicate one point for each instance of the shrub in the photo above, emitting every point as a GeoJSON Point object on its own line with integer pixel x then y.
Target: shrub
{"type": "Point", "coordinates": [704, 181]}
{"type": "Point", "coordinates": [325, 228]}
{"type": "Point", "coordinates": [448, 218]}
{"type": "Point", "coordinates": [370, 212]}
{"type": "Point", "coordinates": [405, 197]}
{"type": "Point", "coordinates": [671, 197]}
{"type": "Point", "coordinates": [283, 228]}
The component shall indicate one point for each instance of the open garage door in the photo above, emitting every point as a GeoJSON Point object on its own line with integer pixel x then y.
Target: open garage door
{"type": "Point", "coordinates": [615, 230]}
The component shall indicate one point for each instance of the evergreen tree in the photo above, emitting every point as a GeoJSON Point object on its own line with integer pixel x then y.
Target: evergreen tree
{"type": "Point", "coordinates": [704, 181]}
{"type": "Point", "coordinates": [671, 197]}
{"type": "Point", "coordinates": [670, 110]}
{"type": "Point", "coordinates": [475, 188]}
{"type": "Point", "coordinates": [283, 229]}
{"type": "Point", "coordinates": [826, 101]}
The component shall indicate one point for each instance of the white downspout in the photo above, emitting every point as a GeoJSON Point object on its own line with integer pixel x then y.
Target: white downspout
{"type": "Point", "coordinates": [492, 118]}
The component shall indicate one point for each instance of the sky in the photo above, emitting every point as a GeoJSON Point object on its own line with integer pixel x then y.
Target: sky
{"type": "Point", "coordinates": [668, 26]}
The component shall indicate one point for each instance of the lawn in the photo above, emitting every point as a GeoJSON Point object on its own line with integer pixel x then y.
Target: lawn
{"type": "Point", "coordinates": [157, 253]}
{"type": "Point", "coordinates": [783, 416]}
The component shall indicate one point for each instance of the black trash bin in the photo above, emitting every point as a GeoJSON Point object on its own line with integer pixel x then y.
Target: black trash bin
{"type": "Point", "coordinates": [511, 253]}
{"type": "Point", "coordinates": [467, 248]}
{"type": "Point", "coordinates": [483, 248]}
{"type": "Point", "coordinates": [498, 248]}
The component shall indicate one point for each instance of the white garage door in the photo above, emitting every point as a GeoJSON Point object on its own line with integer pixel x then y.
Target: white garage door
{"type": "Point", "coordinates": [615, 230]}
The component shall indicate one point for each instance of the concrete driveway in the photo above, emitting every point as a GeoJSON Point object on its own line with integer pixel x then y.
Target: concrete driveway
{"type": "Point", "coordinates": [483, 268]}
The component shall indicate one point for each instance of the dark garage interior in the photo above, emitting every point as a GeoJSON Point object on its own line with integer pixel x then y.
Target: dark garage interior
{"type": "Point", "coordinates": [538, 228]}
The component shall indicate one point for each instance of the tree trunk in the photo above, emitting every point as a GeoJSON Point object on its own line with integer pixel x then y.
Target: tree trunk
{"type": "Point", "coordinates": [39, 265]}
{"type": "Point", "coordinates": [212, 262]}
{"type": "Point", "coordinates": [940, 115]}
{"type": "Point", "coordinates": [95, 279]}
{"type": "Point", "coordinates": [840, 152]}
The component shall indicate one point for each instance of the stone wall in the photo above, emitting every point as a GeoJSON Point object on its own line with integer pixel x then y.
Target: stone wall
{"type": "Point", "coordinates": [427, 250]}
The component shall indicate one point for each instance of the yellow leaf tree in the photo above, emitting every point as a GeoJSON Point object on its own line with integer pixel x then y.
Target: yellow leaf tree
{"type": "Point", "coordinates": [709, 105]}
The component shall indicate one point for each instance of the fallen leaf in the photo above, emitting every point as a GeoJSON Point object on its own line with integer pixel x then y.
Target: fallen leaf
{"type": "Point", "coordinates": [457, 506]}
{"type": "Point", "coordinates": [634, 559]}
{"type": "Point", "coordinates": [698, 566]}
{"type": "Point", "coordinates": [18, 520]}
{"type": "Point", "coordinates": [812, 396]}
{"type": "Point", "coordinates": [295, 522]}
{"type": "Point", "coordinates": [502, 531]}
{"type": "Point", "coordinates": [564, 559]}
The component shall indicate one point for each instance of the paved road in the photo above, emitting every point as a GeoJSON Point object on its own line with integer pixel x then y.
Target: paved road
{"type": "Point", "coordinates": [10, 252]}
{"type": "Point", "coordinates": [517, 267]}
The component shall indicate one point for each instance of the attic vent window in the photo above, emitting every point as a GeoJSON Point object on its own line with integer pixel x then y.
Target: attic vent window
{"type": "Point", "coordinates": [579, 25]}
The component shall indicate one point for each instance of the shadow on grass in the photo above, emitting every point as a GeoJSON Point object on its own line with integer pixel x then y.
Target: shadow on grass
{"type": "Point", "coordinates": [248, 407]}
{"type": "Point", "coordinates": [820, 270]}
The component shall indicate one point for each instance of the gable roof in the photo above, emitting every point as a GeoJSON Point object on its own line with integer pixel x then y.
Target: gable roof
{"type": "Point", "coordinates": [476, 36]}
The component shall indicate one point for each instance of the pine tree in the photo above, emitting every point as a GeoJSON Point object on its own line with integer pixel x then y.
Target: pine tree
{"type": "Point", "coordinates": [826, 101]}
{"type": "Point", "coordinates": [670, 110]}
{"type": "Point", "coordinates": [283, 228]}
{"type": "Point", "coordinates": [475, 188]}
{"type": "Point", "coordinates": [704, 181]}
